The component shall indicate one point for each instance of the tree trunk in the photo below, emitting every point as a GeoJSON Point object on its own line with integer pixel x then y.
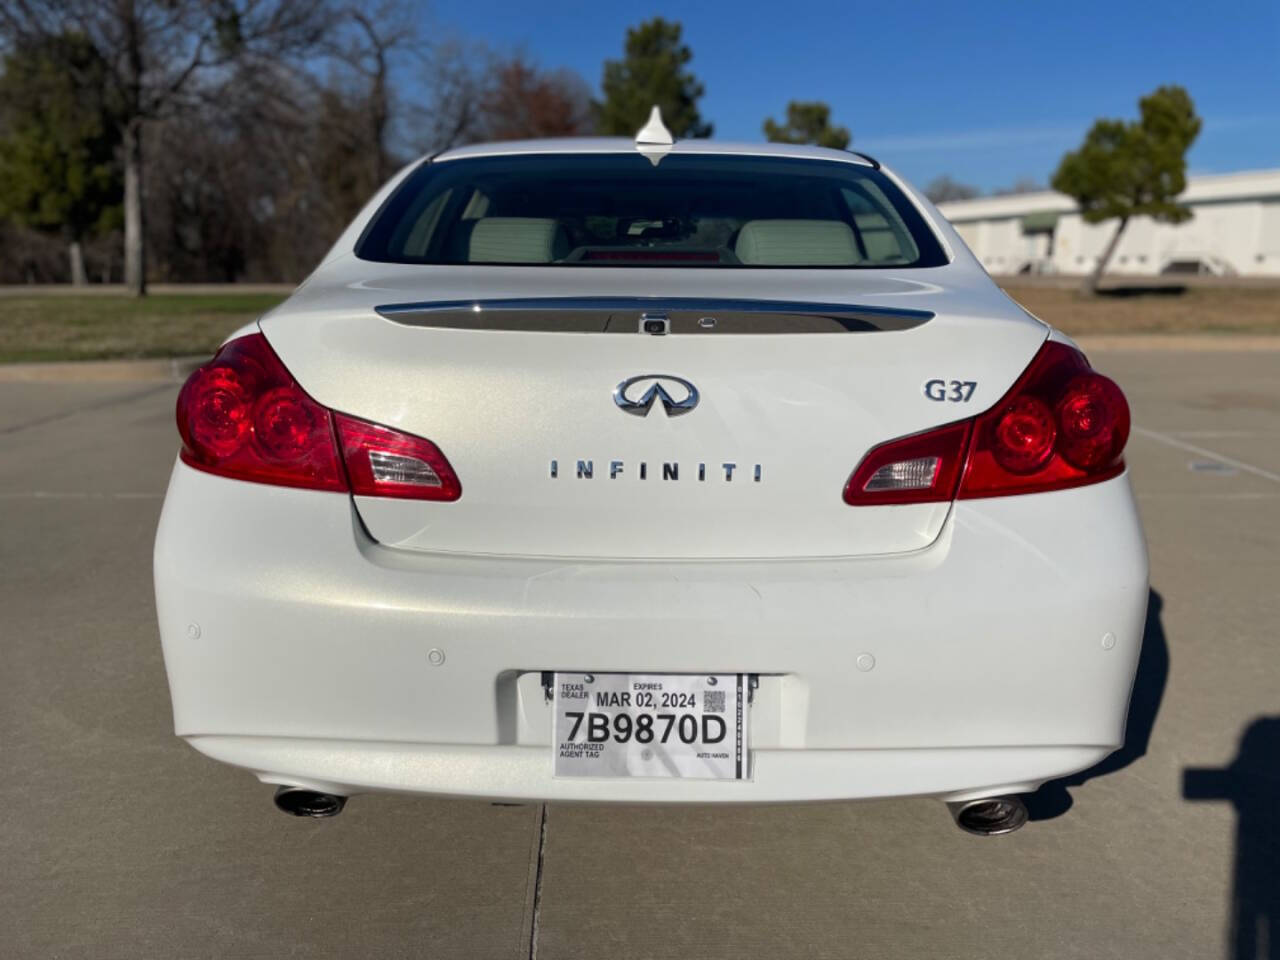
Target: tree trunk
{"type": "Point", "coordinates": [78, 277]}
{"type": "Point", "coordinates": [135, 262]}
{"type": "Point", "coordinates": [1095, 278]}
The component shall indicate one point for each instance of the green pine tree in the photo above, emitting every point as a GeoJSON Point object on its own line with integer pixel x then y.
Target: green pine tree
{"type": "Point", "coordinates": [652, 71]}
{"type": "Point", "coordinates": [1128, 169]}
{"type": "Point", "coordinates": [808, 121]}
{"type": "Point", "coordinates": [58, 150]}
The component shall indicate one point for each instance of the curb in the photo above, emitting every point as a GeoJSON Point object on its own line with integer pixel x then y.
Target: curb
{"type": "Point", "coordinates": [159, 370]}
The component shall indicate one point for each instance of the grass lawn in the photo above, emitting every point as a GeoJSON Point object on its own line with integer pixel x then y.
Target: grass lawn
{"type": "Point", "coordinates": [100, 327]}
{"type": "Point", "coordinates": [106, 327]}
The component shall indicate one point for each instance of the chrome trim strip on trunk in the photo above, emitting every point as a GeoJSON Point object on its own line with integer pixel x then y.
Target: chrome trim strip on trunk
{"type": "Point", "coordinates": [686, 315]}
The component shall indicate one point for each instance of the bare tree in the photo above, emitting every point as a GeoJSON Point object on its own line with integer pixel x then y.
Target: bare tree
{"type": "Point", "coordinates": [368, 44]}
{"type": "Point", "coordinates": [255, 182]}
{"type": "Point", "coordinates": [1021, 185]}
{"type": "Point", "coordinates": [943, 189]}
{"type": "Point", "coordinates": [158, 52]}
{"type": "Point", "coordinates": [258, 177]}
{"type": "Point", "coordinates": [455, 77]}
{"type": "Point", "coordinates": [30, 256]}
{"type": "Point", "coordinates": [523, 101]}
{"type": "Point", "coordinates": [268, 125]}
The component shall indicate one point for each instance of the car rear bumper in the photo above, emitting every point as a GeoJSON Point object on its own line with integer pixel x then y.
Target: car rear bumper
{"type": "Point", "coordinates": [522, 772]}
{"type": "Point", "coordinates": [1000, 656]}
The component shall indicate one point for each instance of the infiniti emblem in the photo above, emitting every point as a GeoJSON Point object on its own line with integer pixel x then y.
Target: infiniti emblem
{"type": "Point", "coordinates": [636, 394]}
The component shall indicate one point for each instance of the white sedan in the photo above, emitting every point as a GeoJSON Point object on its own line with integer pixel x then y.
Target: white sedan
{"type": "Point", "coordinates": [613, 470]}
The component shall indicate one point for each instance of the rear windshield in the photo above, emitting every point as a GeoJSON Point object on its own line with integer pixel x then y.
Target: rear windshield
{"type": "Point", "coordinates": [620, 210]}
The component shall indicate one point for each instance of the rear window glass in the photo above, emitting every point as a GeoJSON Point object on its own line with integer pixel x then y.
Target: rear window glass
{"type": "Point", "coordinates": [619, 210]}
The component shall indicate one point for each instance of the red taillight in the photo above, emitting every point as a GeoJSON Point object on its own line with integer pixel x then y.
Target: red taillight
{"type": "Point", "coordinates": [1061, 425]}
{"type": "Point", "coordinates": [1095, 422]}
{"type": "Point", "coordinates": [242, 415]}
{"type": "Point", "coordinates": [1024, 435]}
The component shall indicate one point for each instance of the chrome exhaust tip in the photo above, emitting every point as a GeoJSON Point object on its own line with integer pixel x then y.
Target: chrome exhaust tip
{"type": "Point", "coordinates": [989, 816]}
{"type": "Point", "coordinates": [301, 802]}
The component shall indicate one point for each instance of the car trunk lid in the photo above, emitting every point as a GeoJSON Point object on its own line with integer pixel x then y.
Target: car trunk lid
{"type": "Point", "coordinates": [531, 386]}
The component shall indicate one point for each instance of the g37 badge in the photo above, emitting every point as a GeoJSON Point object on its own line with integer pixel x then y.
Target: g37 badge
{"type": "Point", "coordinates": [950, 391]}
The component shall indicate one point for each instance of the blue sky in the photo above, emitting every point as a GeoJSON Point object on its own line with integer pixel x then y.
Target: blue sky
{"type": "Point", "coordinates": [985, 92]}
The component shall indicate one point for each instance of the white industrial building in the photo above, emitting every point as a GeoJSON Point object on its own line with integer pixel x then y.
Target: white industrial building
{"type": "Point", "coordinates": [1234, 231]}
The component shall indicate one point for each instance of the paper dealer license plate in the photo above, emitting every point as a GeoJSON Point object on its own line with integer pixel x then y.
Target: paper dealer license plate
{"type": "Point", "coordinates": [651, 725]}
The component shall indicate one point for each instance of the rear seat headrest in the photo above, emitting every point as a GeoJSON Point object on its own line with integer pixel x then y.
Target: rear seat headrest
{"type": "Point", "coordinates": [787, 243]}
{"type": "Point", "coordinates": [517, 240]}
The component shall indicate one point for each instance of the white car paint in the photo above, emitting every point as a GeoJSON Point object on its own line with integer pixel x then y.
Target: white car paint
{"type": "Point", "coordinates": [503, 404]}
{"type": "Point", "coordinates": [960, 650]}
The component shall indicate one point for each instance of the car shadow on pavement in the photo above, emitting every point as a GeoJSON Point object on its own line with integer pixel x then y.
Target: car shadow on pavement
{"type": "Point", "coordinates": [1251, 783]}
{"type": "Point", "coordinates": [1053, 799]}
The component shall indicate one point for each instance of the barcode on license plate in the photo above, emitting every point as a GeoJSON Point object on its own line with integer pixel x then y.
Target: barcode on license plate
{"type": "Point", "coordinates": [713, 701]}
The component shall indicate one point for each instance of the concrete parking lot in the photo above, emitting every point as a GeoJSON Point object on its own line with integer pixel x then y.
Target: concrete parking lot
{"type": "Point", "coordinates": [116, 840]}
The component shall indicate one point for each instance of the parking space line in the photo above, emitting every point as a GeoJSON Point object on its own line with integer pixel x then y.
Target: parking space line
{"type": "Point", "coordinates": [1201, 451]}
